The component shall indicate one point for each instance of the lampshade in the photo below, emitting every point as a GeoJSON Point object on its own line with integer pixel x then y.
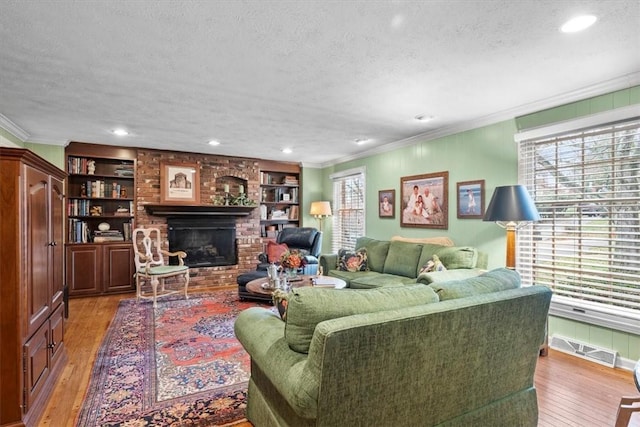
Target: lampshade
{"type": "Point", "coordinates": [511, 203]}
{"type": "Point", "coordinates": [320, 209]}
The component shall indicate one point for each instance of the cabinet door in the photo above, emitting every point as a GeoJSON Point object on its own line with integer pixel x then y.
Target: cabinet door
{"type": "Point", "coordinates": [119, 268]}
{"type": "Point", "coordinates": [56, 335]}
{"type": "Point", "coordinates": [37, 249]}
{"type": "Point", "coordinates": [57, 241]}
{"type": "Point", "coordinates": [84, 269]}
{"type": "Point", "coordinates": [36, 358]}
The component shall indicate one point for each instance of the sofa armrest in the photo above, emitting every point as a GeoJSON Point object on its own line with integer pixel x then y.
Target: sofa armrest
{"type": "Point", "coordinates": [261, 333]}
{"type": "Point", "coordinates": [328, 262]}
{"type": "Point", "coordinates": [447, 275]}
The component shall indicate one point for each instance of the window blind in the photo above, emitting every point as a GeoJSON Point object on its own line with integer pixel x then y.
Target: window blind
{"type": "Point", "coordinates": [586, 185]}
{"type": "Point", "coordinates": [348, 216]}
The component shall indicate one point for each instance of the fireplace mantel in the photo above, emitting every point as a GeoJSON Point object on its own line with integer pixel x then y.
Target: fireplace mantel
{"type": "Point", "coordinates": [200, 210]}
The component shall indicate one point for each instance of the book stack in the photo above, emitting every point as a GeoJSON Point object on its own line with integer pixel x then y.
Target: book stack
{"type": "Point", "coordinates": [290, 180]}
{"type": "Point", "coordinates": [124, 170]}
{"type": "Point", "coordinates": [107, 236]}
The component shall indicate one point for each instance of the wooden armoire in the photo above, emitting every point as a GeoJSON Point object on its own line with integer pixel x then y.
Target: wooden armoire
{"type": "Point", "coordinates": [32, 351]}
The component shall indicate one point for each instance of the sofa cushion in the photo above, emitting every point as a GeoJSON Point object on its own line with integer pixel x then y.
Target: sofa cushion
{"type": "Point", "coordinates": [496, 280]}
{"type": "Point", "coordinates": [348, 276]}
{"type": "Point", "coordinates": [275, 250]}
{"type": "Point", "coordinates": [352, 261]}
{"type": "Point", "coordinates": [379, 280]}
{"type": "Point", "coordinates": [458, 257]}
{"type": "Point", "coordinates": [309, 306]}
{"type": "Point", "coordinates": [402, 259]}
{"type": "Point", "coordinates": [376, 252]}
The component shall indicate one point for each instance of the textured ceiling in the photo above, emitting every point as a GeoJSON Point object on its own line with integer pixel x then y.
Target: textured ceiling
{"type": "Point", "coordinates": [310, 75]}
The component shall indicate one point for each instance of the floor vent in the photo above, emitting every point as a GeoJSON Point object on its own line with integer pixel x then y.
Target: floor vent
{"type": "Point", "coordinates": [586, 351]}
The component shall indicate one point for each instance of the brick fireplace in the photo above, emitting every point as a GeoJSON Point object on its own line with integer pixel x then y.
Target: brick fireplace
{"type": "Point", "coordinates": [215, 173]}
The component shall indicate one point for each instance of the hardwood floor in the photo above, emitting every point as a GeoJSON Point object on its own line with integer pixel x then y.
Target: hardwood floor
{"type": "Point", "coordinates": [571, 391]}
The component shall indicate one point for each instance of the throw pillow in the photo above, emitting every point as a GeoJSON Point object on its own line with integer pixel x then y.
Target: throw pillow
{"type": "Point", "coordinates": [308, 306]}
{"type": "Point", "coordinates": [275, 251]}
{"type": "Point", "coordinates": [352, 261]}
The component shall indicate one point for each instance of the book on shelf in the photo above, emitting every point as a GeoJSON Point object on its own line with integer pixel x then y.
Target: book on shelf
{"type": "Point", "coordinates": [103, 239]}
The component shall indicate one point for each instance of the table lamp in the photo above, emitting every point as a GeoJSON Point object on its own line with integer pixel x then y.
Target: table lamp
{"type": "Point", "coordinates": [511, 207]}
{"type": "Point", "coordinates": [320, 210]}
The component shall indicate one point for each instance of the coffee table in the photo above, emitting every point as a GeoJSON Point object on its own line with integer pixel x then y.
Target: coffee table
{"type": "Point", "coordinates": [255, 286]}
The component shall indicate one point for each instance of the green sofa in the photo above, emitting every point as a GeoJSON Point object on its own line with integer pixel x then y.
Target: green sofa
{"type": "Point", "coordinates": [395, 262]}
{"type": "Point", "coordinates": [459, 353]}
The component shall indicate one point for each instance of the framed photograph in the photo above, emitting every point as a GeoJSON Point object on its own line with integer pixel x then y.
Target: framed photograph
{"type": "Point", "coordinates": [424, 200]}
{"type": "Point", "coordinates": [180, 183]}
{"type": "Point", "coordinates": [387, 203]}
{"type": "Point", "coordinates": [470, 199]}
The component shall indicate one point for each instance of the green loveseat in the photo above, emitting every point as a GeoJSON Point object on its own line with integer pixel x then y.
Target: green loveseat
{"type": "Point", "coordinates": [460, 353]}
{"type": "Point", "coordinates": [397, 262]}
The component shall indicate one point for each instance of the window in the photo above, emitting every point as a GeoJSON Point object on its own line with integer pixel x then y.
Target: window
{"type": "Point", "coordinates": [586, 248]}
{"type": "Point", "coordinates": [348, 206]}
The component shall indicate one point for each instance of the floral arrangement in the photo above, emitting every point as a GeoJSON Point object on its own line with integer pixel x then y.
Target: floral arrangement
{"type": "Point", "coordinates": [292, 259]}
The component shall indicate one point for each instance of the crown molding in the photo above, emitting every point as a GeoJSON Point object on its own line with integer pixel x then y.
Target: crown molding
{"type": "Point", "coordinates": [624, 82]}
{"type": "Point", "coordinates": [13, 128]}
{"type": "Point", "coordinates": [62, 143]}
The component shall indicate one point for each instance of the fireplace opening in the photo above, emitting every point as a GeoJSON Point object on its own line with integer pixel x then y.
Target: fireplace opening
{"type": "Point", "coordinates": [208, 242]}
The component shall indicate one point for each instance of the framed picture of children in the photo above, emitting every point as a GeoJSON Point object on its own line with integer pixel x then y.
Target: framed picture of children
{"type": "Point", "coordinates": [470, 199]}
{"type": "Point", "coordinates": [424, 200]}
{"type": "Point", "coordinates": [387, 203]}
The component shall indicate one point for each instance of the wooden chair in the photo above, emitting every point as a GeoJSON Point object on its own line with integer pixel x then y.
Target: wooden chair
{"type": "Point", "coordinates": [151, 267]}
{"type": "Point", "coordinates": [629, 405]}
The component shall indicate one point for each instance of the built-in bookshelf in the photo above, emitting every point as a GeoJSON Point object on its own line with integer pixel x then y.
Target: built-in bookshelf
{"type": "Point", "coordinates": [279, 198]}
{"type": "Point", "coordinates": [100, 195]}
{"type": "Point", "coordinates": [100, 214]}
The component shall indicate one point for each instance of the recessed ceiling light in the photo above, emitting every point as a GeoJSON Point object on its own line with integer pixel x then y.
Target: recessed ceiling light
{"type": "Point", "coordinates": [287, 150]}
{"type": "Point", "coordinates": [578, 23]}
{"type": "Point", "coordinates": [361, 141]}
{"type": "Point", "coordinates": [120, 132]}
{"type": "Point", "coordinates": [214, 142]}
{"type": "Point", "coordinates": [424, 118]}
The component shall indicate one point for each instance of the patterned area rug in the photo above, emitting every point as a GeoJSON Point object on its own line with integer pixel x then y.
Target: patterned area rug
{"type": "Point", "coordinates": [179, 364]}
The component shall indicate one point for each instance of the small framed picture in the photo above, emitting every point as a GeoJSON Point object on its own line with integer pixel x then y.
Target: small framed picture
{"type": "Point", "coordinates": [424, 200]}
{"type": "Point", "coordinates": [387, 203]}
{"type": "Point", "coordinates": [470, 199]}
{"type": "Point", "coordinates": [180, 183]}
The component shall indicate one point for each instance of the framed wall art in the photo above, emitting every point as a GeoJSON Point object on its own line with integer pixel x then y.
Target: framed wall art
{"type": "Point", "coordinates": [470, 196]}
{"type": "Point", "coordinates": [387, 203]}
{"type": "Point", "coordinates": [424, 200]}
{"type": "Point", "coordinates": [180, 183]}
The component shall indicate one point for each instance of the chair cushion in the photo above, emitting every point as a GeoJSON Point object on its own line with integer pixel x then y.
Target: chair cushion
{"type": "Point", "coordinates": [275, 250]}
{"type": "Point", "coordinates": [402, 259]}
{"type": "Point", "coordinates": [496, 280]}
{"type": "Point", "coordinates": [308, 306]}
{"type": "Point", "coordinates": [300, 238]}
{"type": "Point", "coordinates": [165, 269]}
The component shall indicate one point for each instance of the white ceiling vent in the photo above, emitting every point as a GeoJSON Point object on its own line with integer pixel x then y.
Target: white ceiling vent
{"type": "Point", "coordinates": [600, 355]}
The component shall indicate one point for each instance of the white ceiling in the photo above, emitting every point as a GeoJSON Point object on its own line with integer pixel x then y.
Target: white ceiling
{"type": "Point", "coordinates": [311, 75]}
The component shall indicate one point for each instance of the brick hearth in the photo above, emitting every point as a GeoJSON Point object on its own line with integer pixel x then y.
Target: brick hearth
{"type": "Point", "coordinates": [215, 171]}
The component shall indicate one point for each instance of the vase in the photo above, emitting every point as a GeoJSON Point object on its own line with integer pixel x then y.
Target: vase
{"type": "Point", "coordinates": [291, 273]}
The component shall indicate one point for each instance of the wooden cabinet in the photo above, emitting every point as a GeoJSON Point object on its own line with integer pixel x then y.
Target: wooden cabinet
{"type": "Point", "coordinates": [100, 217]}
{"type": "Point", "coordinates": [94, 269]}
{"type": "Point", "coordinates": [279, 197]}
{"type": "Point", "coordinates": [31, 282]}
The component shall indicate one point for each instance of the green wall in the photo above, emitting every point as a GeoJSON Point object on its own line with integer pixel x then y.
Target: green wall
{"type": "Point", "coordinates": [488, 153]}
